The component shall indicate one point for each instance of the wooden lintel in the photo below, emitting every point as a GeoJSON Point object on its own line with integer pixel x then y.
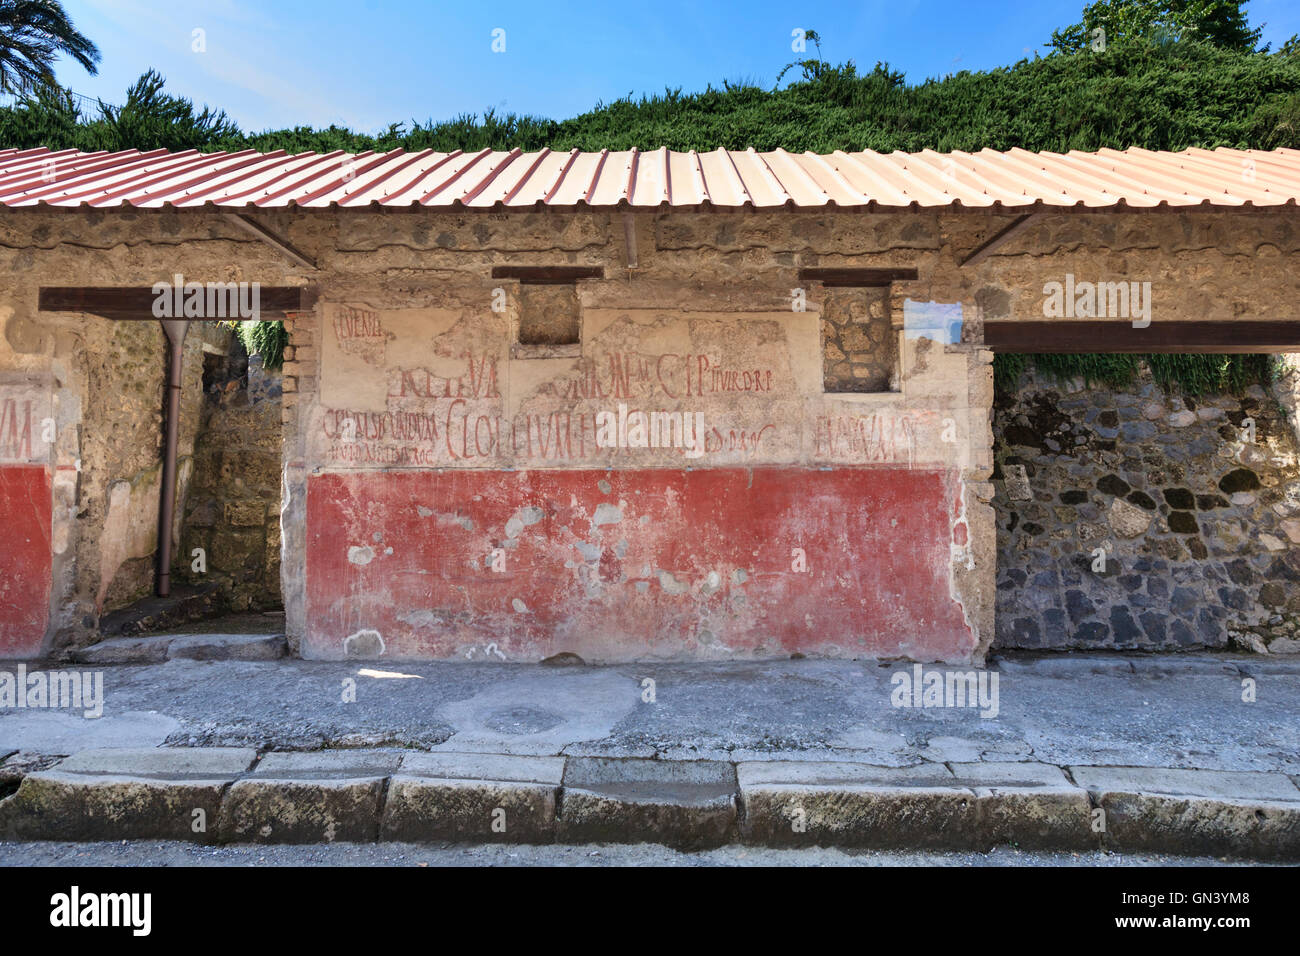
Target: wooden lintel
{"type": "Point", "coordinates": [1227, 336]}
{"type": "Point", "coordinates": [988, 246]}
{"type": "Point", "coordinates": [547, 275]}
{"type": "Point", "coordinates": [127, 302]}
{"type": "Point", "coordinates": [856, 278]}
{"type": "Point", "coordinates": [278, 243]}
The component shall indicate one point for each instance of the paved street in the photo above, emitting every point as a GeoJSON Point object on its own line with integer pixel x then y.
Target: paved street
{"type": "Point", "coordinates": [1097, 710]}
{"type": "Point", "coordinates": [157, 853]}
{"type": "Point", "coordinates": [1191, 755]}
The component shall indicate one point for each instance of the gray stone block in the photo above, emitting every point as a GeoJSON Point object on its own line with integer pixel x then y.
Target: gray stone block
{"type": "Point", "coordinates": [1069, 667]}
{"type": "Point", "coordinates": [1184, 666]}
{"type": "Point", "coordinates": [327, 763]}
{"type": "Point", "coordinates": [473, 798]}
{"type": "Point", "coordinates": [162, 762]}
{"type": "Point", "coordinates": [227, 647]}
{"type": "Point", "coordinates": [478, 766]}
{"type": "Point", "coordinates": [159, 794]}
{"type": "Point", "coordinates": [1228, 784]}
{"type": "Point", "coordinates": [1200, 812]}
{"type": "Point", "coordinates": [1030, 805]}
{"type": "Point", "coordinates": [125, 650]}
{"type": "Point", "coordinates": [313, 797]}
{"type": "Point", "coordinates": [155, 648]}
{"type": "Point", "coordinates": [680, 803]}
{"type": "Point", "coordinates": [835, 804]}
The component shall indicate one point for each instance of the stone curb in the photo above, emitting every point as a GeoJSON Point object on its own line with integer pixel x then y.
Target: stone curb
{"type": "Point", "coordinates": [473, 798]}
{"type": "Point", "coordinates": [222, 795]}
{"type": "Point", "coordinates": [684, 804]}
{"type": "Point", "coordinates": [152, 794]}
{"type": "Point", "coordinates": [313, 797]}
{"type": "Point", "coordinates": [1210, 812]}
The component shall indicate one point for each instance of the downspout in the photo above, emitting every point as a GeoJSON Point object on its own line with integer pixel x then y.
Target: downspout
{"type": "Point", "coordinates": [175, 330]}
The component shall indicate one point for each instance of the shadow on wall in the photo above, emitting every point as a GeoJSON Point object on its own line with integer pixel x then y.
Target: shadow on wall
{"type": "Point", "coordinates": [1141, 519]}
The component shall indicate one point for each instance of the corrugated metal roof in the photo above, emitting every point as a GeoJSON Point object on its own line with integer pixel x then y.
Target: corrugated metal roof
{"type": "Point", "coordinates": [1016, 179]}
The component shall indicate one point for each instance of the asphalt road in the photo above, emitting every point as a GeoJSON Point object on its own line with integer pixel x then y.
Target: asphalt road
{"type": "Point", "coordinates": [152, 854]}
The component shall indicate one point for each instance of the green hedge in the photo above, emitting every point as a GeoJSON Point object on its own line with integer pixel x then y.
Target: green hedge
{"type": "Point", "coordinates": [1190, 374]}
{"type": "Point", "coordinates": [1156, 95]}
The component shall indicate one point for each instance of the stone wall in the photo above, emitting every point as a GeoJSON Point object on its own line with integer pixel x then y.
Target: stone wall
{"type": "Point", "coordinates": [233, 507]}
{"type": "Point", "coordinates": [859, 344]}
{"type": "Point", "coordinates": [1139, 519]}
{"type": "Point", "coordinates": [423, 437]}
{"type": "Point", "coordinates": [715, 282]}
{"type": "Point", "coordinates": [101, 384]}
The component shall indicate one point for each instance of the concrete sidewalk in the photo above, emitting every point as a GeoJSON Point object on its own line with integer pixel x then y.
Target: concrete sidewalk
{"type": "Point", "coordinates": [1174, 751]}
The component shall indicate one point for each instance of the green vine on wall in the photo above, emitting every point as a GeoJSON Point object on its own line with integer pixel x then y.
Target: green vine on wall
{"type": "Point", "coordinates": [266, 339]}
{"type": "Point", "coordinates": [1192, 374]}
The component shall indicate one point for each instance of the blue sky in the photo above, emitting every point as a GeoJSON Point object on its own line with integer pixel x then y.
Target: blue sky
{"type": "Point", "coordinates": [366, 63]}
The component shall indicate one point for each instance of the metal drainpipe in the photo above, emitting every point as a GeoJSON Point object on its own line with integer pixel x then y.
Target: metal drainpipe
{"type": "Point", "coordinates": [175, 330]}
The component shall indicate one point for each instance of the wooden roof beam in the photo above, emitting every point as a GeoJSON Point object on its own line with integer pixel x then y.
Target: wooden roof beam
{"type": "Point", "coordinates": [990, 245]}
{"type": "Point", "coordinates": [1225, 336]}
{"type": "Point", "coordinates": [276, 242]}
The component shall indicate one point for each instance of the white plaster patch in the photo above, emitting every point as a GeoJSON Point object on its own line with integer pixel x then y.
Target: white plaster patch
{"type": "Point", "coordinates": [670, 583]}
{"type": "Point", "coordinates": [523, 518]}
{"type": "Point", "coordinates": [361, 555]}
{"type": "Point", "coordinates": [366, 642]}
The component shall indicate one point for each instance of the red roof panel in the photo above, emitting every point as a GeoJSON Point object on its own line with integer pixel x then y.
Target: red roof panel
{"type": "Point", "coordinates": [725, 178]}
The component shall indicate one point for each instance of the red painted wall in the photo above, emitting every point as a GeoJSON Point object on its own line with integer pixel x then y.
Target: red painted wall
{"type": "Point", "coordinates": [876, 540]}
{"type": "Point", "coordinates": [25, 519]}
